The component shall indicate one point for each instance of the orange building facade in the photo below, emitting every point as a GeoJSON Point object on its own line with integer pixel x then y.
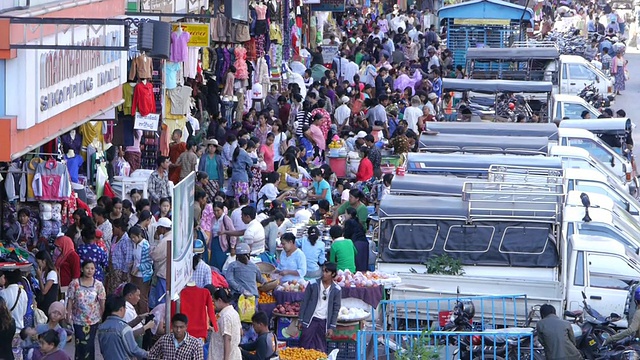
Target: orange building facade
{"type": "Point", "coordinates": [46, 93]}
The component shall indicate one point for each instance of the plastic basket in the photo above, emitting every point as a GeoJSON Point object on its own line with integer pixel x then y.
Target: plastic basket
{"type": "Point", "coordinates": [348, 350]}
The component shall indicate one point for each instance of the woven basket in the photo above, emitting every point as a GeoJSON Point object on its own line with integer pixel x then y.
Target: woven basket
{"type": "Point", "coordinates": [265, 267]}
{"type": "Point", "coordinates": [269, 286]}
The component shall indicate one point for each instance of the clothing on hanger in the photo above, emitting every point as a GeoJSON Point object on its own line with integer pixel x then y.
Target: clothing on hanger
{"type": "Point", "coordinates": [179, 41]}
{"type": "Point", "coordinates": [144, 100]}
{"type": "Point", "coordinates": [180, 98]}
{"type": "Point", "coordinates": [141, 67]}
{"type": "Point", "coordinates": [173, 75]}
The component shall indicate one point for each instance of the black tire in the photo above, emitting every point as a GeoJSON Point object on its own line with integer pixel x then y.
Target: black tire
{"type": "Point", "coordinates": [601, 333]}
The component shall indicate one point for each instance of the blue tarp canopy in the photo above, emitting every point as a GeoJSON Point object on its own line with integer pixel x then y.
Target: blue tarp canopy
{"type": "Point", "coordinates": [485, 9]}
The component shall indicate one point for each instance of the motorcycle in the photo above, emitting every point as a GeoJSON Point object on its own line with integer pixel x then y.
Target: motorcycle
{"type": "Point", "coordinates": [591, 95]}
{"type": "Point", "coordinates": [590, 328]}
{"type": "Point", "coordinates": [498, 345]}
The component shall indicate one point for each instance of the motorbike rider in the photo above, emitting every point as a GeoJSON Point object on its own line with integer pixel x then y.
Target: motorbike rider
{"type": "Point", "coordinates": [634, 327]}
{"type": "Point", "coordinates": [556, 335]}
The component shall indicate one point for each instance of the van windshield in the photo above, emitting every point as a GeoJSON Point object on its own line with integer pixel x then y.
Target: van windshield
{"type": "Point", "coordinates": [592, 163]}
{"type": "Point", "coordinates": [596, 70]}
{"type": "Point", "coordinates": [626, 221]}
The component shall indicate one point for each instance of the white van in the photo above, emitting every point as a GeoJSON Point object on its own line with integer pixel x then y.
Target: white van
{"type": "Point", "coordinates": [576, 73]}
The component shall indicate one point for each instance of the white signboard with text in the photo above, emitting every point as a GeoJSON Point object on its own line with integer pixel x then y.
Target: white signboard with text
{"type": "Point", "coordinates": [146, 123]}
{"type": "Point", "coordinates": [44, 83]}
{"type": "Point", "coordinates": [182, 242]}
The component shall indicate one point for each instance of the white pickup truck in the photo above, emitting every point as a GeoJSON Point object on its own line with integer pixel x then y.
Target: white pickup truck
{"type": "Point", "coordinates": [413, 228]}
{"type": "Point", "coordinates": [569, 74]}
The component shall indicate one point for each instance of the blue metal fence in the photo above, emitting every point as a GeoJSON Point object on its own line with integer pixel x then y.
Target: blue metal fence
{"type": "Point", "coordinates": [512, 344]}
{"type": "Point", "coordinates": [491, 312]}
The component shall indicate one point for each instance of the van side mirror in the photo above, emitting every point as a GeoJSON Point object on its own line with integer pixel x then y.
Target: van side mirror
{"type": "Point", "coordinates": [613, 162]}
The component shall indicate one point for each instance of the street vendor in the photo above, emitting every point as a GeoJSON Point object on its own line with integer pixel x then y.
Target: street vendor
{"type": "Point", "coordinates": [293, 263]}
{"type": "Point", "coordinates": [319, 310]}
{"type": "Point", "coordinates": [355, 201]}
{"type": "Point", "coordinates": [242, 274]}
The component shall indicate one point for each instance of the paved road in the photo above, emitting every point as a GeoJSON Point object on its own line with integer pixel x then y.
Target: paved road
{"type": "Point", "coordinates": [629, 101]}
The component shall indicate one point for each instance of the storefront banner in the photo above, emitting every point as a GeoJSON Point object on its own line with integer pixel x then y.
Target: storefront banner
{"type": "Point", "coordinates": [182, 242]}
{"type": "Point", "coordinates": [146, 123]}
{"type": "Point", "coordinates": [45, 83]}
{"type": "Point", "coordinates": [199, 34]}
{"type": "Point", "coordinates": [329, 5]}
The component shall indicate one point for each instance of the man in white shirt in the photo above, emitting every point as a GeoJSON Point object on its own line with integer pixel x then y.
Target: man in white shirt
{"type": "Point", "coordinates": [398, 22]}
{"type": "Point", "coordinates": [131, 294]}
{"type": "Point", "coordinates": [343, 112]}
{"type": "Point", "coordinates": [412, 113]}
{"type": "Point", "coordinates": [433, 58]}
{"type": "Point", "coordinates": [350, 70]}
{"type": "Point", "coordinates": [253, 235]}
{"type": "Point", "coordinates": [159, 256]}
{"type": "Point", "coordinates": [236, 215]}
{"type": "Point", "coordinates": [415, 33]}
{"type": "Point", "coordinates": [431, 104]}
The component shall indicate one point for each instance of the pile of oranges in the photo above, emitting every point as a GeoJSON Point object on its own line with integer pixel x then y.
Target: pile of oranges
{"type": "Point", "coordinates": [301, 354]}
{"type": "Point", "coordinates": [266, 298]}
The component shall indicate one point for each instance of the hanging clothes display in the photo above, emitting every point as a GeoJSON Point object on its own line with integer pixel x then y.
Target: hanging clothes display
{"type": "Point", "coordinates": [143, 99]}
{"type": "Point", "coordinates": [51, 181]}
{"type": "Point", "coordinates": [219, 27]}
{"type": "Point", "coordinates": [72, 140]}
{"type": "Point", "coordinates": [141, 68]}
{"type": "Point", "coordinates": [191, 63]}
{"type": "Point", "coordinates": [91, 131]}
{"type": "Point", "coordinates": [179, 40]}
{"type": "Point", "coordinates": [263, 76]}
{"type": "Point", "coordinates": [173, 75]}
{"type": "Point", "coordinates": [180, 98]}
{"type": "Point", "coordinates": [241, 63]}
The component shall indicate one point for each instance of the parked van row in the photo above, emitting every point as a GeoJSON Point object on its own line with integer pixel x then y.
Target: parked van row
{"type": "Point", "coordinates": [551, 225]}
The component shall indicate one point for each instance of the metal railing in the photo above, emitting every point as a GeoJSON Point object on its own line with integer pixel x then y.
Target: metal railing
{"type": "Point", "coordinates": [537, 202]}
{"type": "Point", "coordinates": [491, 312]}
{"type": "Point", "coordinates": [512, 344]}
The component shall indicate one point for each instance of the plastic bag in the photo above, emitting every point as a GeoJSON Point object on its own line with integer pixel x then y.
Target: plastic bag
{"type": "Point", "coordinates": [246, 307]}
{"type": "Point", "coordinates": [230, 259]}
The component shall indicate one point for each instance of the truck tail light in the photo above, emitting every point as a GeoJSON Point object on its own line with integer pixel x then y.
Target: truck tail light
{"type": "Point", "coordinates": [628, 176]}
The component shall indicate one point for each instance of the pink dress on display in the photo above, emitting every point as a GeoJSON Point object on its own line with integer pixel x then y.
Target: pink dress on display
{"type": "Point", "coordinates": [242, 73]}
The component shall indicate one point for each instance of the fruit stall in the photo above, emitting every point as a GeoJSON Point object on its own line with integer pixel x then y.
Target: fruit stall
{"type": "Point", "coordinates": [361, 294]}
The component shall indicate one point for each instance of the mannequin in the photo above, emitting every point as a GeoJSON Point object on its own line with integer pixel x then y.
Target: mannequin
{"type": "Point", "coordinates": [72, 140]}
{"type": "Point", "coordinates": [91, 132]}
{"type": "Point", "coordinates": [141, 67]}
{"type": "Point", "coordinates": [199, 308]}
{"type": "Point", "coordinates": [179, 47]}
{"type": "Point", "coordinates": [74, 163]}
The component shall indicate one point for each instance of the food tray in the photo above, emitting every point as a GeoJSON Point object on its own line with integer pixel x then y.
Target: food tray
{"type": "Point", "coordinates": [285, 316]}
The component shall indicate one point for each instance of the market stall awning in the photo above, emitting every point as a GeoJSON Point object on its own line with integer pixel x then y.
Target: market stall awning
{"type": "Point", "coordinates": [491, 11]}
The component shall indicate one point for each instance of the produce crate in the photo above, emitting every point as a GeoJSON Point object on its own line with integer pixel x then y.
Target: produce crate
{"type": "Point", "coordinates": [348, 350]}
